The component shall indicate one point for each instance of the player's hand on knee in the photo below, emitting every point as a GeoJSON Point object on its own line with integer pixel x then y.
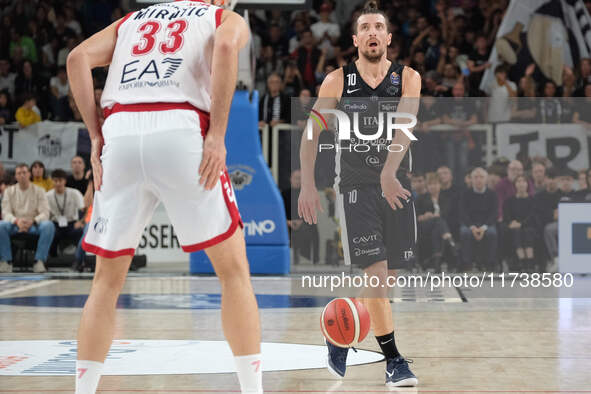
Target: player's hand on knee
{"type": "Point", "coordinates": [95, 161]}
{"type": "Point", "coordinates": [213, 161]}
{"type": "Point", "coordinates": [308, 204]}
{"type": "Point", "coordinates": [394, 192]}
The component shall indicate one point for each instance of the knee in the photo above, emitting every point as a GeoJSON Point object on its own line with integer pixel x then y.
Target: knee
{"type": "Point", "coordinates": [47, 227]}
{"type": "Point", "coordinates": [234, 269]}
{"type": "Point", "coordinates": [4, 225]}
{"type": "Point", "coordinates": [108, 283]}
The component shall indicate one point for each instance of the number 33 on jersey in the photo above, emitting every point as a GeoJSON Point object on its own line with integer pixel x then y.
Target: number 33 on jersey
{"type": "Point", "coordinates": [154, 63]}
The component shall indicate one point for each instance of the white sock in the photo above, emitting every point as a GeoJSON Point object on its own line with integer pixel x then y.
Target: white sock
{"type": "Point", "coordinates": [250, 373]}
{"type": "Point", "coordinates": [88, 374]}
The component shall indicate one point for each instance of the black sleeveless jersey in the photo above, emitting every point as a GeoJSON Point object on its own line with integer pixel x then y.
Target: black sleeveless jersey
{"type": "Point", "coordinates": [359, 161]}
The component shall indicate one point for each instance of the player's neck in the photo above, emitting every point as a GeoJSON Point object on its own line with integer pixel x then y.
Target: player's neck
{"type": "Point", "coordinates": [374, 71]}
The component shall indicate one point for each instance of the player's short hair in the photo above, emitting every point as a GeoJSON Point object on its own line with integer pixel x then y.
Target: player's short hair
{"type": "Point", "coordinates": [59, 174]}
{"type": "Point", "coordinates": [21, 165]}
{"type": "Point", "coordinates": [370, 8]}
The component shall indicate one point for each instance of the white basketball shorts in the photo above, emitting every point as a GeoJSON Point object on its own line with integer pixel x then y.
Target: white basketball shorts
{"type": "Point", "coordinates": [152, 154]}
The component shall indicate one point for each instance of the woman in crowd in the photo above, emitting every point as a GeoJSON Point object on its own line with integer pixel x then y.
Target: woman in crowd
{"type": "Point", "coordinates": [518, 219]}
{"type": "Point", "coordinates": [40, 178]}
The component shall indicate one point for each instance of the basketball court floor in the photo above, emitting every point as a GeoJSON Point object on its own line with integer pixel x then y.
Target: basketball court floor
{"type": "Point", "coordinates": [169, 339]}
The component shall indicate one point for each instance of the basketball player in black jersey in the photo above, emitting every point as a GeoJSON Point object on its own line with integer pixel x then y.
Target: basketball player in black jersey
{"type": "Point", "coordinates": [378, 224]}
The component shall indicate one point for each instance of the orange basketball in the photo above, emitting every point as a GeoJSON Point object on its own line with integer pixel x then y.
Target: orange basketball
{"type": "Point", "coordinates": [345, 322]}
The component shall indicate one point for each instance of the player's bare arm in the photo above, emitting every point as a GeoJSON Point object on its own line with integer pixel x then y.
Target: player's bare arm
{"type": "Point", "coordinates": [328, 96]}
{"type": "Point", "coordinates": [96, 51]}
{"type": "Point", "coordinates": [230, 37]}
{"type": "Point", "coordinates": [391, 187]}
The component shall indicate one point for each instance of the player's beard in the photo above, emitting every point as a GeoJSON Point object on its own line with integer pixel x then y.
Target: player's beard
{"type": "Point", "coordinates": [373, 57]}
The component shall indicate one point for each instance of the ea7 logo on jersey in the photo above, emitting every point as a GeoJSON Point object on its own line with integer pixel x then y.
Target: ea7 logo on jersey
{"type": "Point", "coordinates": [134, 71]}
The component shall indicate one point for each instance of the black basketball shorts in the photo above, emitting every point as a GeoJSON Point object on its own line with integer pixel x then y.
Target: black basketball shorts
{"type": "Point", "coordinates": [372, 231]}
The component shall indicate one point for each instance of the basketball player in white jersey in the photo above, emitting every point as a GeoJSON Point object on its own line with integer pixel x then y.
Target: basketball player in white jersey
{"type": "Point", "coordinates": [172, 75]}
{"type": "Point", "coordinates": [372, 185]}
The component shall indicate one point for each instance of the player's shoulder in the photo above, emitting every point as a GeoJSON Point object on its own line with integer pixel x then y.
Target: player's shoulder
{"type": "Point", "coordinates": [332, 86]}
{"type": "Point", "coordinates": [411, 81]}
{"type": "Point", "coordinates": [229, 16]}
{"type": "Point", "coordinates": [334, 78]}
{"type": "Point", "coordinates": [411, 74]}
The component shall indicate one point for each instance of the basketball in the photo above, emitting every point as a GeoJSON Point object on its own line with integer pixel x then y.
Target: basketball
{"type": "Point", "coordinates": [345, 322]}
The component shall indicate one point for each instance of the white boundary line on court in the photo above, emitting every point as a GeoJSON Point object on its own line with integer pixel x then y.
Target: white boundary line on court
{"type": "Point", "coordinates": [41, 283]}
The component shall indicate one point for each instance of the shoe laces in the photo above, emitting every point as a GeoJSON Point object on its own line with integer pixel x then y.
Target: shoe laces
{"type": "Point", "coordinates": [401, 364]}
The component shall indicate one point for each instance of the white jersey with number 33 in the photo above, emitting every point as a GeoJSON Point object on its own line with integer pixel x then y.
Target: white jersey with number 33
{"type": "Point", "coordinates": [163, 54]}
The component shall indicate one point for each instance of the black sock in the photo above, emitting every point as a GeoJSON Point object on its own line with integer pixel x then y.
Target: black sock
{"type": "Point", "coordinates": [388, 345]}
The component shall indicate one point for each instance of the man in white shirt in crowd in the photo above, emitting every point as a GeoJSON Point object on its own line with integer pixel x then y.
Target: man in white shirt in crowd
{"type": "Point", "coordinates": [327, 33]}
{"type": "Point", "coordinates": [500, 90]}
{"type": "Point", "coordinates": [7, 78]}
{"type": "Point", "coordinates": [65, 204]}
{"type": "Point", "coordinates": [59, 94]}
{"type": "Point", "coordinates": [25, 210]}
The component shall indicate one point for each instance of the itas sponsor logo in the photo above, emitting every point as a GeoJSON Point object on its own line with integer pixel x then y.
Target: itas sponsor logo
{"type": "Point", "coordinates": [241, 176]}
{"type": "Point", "coordinates": [366, 252]}
{"type": "Point", "coordinates": [259, 229]}
{"type": "Point", "coordinates": [49, 147]}
{"type": "Point", "coordinates": [365, 239]}
{"type": "Point", "coordinates": [100, 226]}
{"type": "Point", "coordinates": [408, 254]}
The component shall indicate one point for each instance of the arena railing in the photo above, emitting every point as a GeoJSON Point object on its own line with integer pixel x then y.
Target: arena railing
{"type": "Point", "coordinates": [273, 160]}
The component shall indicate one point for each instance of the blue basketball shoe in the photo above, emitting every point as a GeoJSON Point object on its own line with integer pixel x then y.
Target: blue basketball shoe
{"type": "Point", "coordinates": [337, 360]}
{"type": "Point", "coordinates": [398, 374]}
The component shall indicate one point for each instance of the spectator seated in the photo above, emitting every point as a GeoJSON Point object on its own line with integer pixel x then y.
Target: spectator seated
{"type": "Point", "coordinates": [25, 210]}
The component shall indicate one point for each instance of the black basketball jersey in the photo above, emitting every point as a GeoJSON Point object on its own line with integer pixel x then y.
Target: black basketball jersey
{"type": "Point", "coordinates": [360, 161]}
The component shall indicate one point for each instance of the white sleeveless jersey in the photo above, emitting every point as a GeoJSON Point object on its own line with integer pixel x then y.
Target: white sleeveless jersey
{"type": "Point", "coordinates": [163, 54]}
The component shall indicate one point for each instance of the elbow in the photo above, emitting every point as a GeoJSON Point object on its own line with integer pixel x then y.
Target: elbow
{"type": "Point", "coordinates": [74, 58]}
{"type": "Point", "coordinates": [226, 47]}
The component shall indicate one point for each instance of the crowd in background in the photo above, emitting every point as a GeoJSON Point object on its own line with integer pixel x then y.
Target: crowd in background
{"type": "Point", "coordinates": [447, 41]}
{"type": "Point", "coordinates": [51, 211]}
